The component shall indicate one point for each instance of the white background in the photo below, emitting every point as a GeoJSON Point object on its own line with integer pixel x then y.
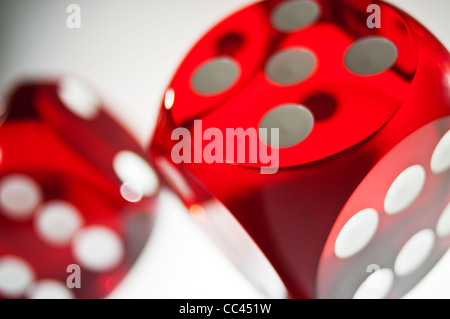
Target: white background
{"type": "Point", "coordinates": [128, 50]}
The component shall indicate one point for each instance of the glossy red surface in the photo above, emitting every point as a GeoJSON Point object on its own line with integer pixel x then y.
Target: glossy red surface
{"type": "Point", "coordinates": [69, 159]}
{"type": "Point", "coordinates": [362, 125]}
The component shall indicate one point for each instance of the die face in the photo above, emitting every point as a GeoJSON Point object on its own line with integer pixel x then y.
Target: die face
{"type": "Point", "coordinates": [268, 68]}
{"type": "Point", "coordinates": [65, 200]}
{"type": "Point", "coordinates": [365, 91]}
{"type": "Point", "coordinates": [403, 197]}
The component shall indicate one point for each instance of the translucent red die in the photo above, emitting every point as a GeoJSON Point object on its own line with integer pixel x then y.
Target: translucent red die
{"type": "Point", "coordinates": [76, 195]}
{"type": "Point", "coordinates": [363, 115]}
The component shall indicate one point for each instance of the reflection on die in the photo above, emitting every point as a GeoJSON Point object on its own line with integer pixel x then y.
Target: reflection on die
{"type": "Point", "coordinates": [363, 117]}
{"type": "Point", "coordinates": [76, 196]}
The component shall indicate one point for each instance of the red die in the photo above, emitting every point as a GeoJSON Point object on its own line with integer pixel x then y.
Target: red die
{"type": "Point", "coordinates": [364, 155]}
{"type": "Point", "coordinates": [74, 191]}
